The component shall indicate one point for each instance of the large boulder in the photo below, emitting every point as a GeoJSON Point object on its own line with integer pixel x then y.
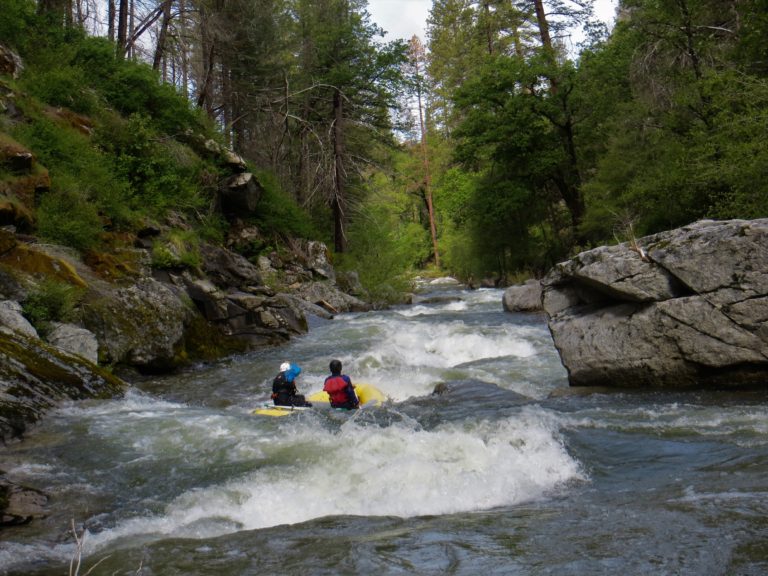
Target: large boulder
{"type": "Point", "coordinates": [239, 195]}
{"type": "Point", "coordinates": [227, 268]}
{"type": "Point", "coordinates": [684, 308]}
{"type": "Point", "coordinates": [20, 504]}
{"type": "Point", "coordinates": [524, 297]}
{"type": "Point", "coordinates": [255, 316]}
{"type": "Point", "coordinates": [142, 325]}
{"type": "Point", "coordinates": [326, 295]}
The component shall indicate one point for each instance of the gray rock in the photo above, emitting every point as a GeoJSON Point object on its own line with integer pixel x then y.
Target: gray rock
{"type": "Point", "coordinates": [684, 308]}
{"type": "Point", "coordinates": [226, 268]}
{"type": "Point", "coordinates": [523, 297]}
{"type": "Point", "coordinates": [12, 319]}
{"type": "Point", "coordinates": [328, 296]}
{"type": "Point", "coordinates": [75, 340]}
{"type": "Point", "coordinates": [20, 504]}
{"type": "Point", "coordinates": [10, 62]}
{"type": "Point", "coordinates": [317, 260]}
{"type": "Point", "coordinates": [240, 195]}
{"type": "Point", "coordinates": [141, 325]}
{"type": "Point", "coordinates": [349, 282]}
{"type": "Point", "coordinates": [34, 377]}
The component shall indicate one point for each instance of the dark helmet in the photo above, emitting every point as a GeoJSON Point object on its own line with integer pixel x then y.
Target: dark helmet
{"type": "Point", "coordinates": [335, 366]}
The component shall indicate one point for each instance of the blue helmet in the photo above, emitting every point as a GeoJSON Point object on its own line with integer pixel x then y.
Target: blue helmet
{"type": "Point", "coordinates": [292, 372]}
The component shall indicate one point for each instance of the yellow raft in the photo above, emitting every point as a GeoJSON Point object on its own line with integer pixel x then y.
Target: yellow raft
{"type": "Point", "coordinates": [369, 396]}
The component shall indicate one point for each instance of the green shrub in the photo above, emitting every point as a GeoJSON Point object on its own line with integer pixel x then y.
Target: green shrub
{"type": "Point", "coordinates": [64, 86]}
{"type": "Point", "coordinates": [66, 217]}
{"type": "Point", "coordinates": [52, 301]}
{"type": "Point", "coordinates": [135, 88]}
{"type": "Point", "coordinates": [278, 213]}
{"type": "Point", "coordinates": [380, 256]}
{"type": "Point", "coordinates": [17, 18]}
{"type": "Point", "coordinates": [177, 249]}
{"type": "Point", "coordinates": [161, 173]}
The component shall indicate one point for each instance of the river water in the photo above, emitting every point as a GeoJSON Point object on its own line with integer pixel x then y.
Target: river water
{"type": "Point", "coordinates": [499, 474]}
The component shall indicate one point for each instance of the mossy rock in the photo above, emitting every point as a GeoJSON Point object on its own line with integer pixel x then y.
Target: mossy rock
{"type": "Point", "coordinates": [208, 343]}
{"type": "Point", "coordinates": [14, 213]}
{"type": "Point", "coordinates": [7, 241]}
{"type": "Point", "coordinates": [27, 259]}
{"type": "Point", "coordinates": [70, 119]}
{"type": "Point", "coordinates": [15, 157]}
{"type": "Point", "coordinates": [34, 377]}
{"type": "Point", "coordinates": [114, 266]}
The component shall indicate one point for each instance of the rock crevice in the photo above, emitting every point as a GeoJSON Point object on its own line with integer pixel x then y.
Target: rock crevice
{"type": "Point", "coordinates": [690, 311]}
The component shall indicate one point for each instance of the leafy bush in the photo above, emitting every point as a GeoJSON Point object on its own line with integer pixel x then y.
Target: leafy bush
{"type": "Point", "coordinates": [81, 174]}
{"type": "Point", "coordinates": [161, 173]}
{"type": "Point", "coordinates": [64, 86]}
{"type": "Point", "coordinates": [65, 217]}
{"type": "Point", "coordinates": [278, 213]}
{"type": "Point", "coordinates": [135, 88]}
{"type": "Point", "coordinates": [178, 249]}
{"type": "Point", "coordinates": [17, 18]}
{"type": "Point", "coordinates": [52, 301]}
{"type": "Point", "coordinates": [380, 256]}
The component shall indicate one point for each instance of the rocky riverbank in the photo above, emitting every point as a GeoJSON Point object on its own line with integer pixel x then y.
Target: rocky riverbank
{"type": "Point", "coordinates": [687, 308]}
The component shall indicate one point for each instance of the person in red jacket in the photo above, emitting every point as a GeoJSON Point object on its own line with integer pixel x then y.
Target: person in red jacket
{"type": "Point", "coordinates": [339, 388]}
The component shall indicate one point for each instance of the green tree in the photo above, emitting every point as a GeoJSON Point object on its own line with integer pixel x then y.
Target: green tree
{"type": "Point", "coordinates": [682, 145]}
{"type": "Point", "coordinates": [346, 85]}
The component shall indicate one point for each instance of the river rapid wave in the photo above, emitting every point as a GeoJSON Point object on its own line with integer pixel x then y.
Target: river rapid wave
{"type": "Point", "coordinates": [495, 473]}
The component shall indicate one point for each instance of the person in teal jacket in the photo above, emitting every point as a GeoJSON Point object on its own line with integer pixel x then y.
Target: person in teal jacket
{"type": "Point", "coordinates": [284, 391]}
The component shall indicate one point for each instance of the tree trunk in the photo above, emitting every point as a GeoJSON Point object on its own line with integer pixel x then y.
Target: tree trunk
{"type": "Point", "coordinates": [428, 182]}
{"type": "Point", "coordinates": [546, 39]}
{"type": "Point", "coordinates": [417, 57]}
{"type": "Point", "coordinates": [131, 50]}
{"type": "Point", "coordinates": [183, 49]}
{"type": "Point", "coordinates": [162, 35]}
{"type": "Point", "coordinates": [111, 20]}
{"type": "Point", "coordinates": [204, 97]}
{"type": "Point", "coordinates": [122, 28]}
{"type": "Point", "coordinates": [338, 200]}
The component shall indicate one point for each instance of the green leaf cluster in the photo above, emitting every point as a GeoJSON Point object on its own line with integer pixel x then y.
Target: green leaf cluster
{"type": "Point", "coordinates": [656, 126]}
{"type": "Point", "coordinates": [109, 133]}
{"type": "Point", "coordinates": [52, 301]}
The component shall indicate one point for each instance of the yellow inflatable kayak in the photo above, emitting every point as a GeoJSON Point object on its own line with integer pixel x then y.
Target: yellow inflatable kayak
{"type": "Point", "coordinates": [269, 409]}
{"type": "Point", "coordinates": [369, 396]}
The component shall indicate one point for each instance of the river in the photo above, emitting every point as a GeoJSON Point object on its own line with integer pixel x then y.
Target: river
{"type": "Point", "coordinates": [502, 473]}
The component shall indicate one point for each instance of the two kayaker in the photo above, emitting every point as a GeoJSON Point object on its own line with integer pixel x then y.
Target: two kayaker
{"type": "Point", "coordinates": [339, 387]}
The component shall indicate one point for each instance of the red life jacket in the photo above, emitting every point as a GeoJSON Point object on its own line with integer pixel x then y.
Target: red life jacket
{"type": "Point", "coordinates": [337, 388]}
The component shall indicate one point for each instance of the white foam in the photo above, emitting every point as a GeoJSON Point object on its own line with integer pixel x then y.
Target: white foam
{"type": "Point", "coordinates": [433, 310]}
{"type": "Point", "coordinates": [411, 357]}
{"type": "Point", "coordinates": [371, 471]}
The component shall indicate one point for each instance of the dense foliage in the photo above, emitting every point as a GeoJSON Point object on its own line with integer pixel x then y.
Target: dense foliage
{"type": "Point", "coordinates": [500, 150]}
{"type": "Point", "coordinates": [657, 125]}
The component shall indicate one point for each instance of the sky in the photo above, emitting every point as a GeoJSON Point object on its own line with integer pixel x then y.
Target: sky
{"type": "Point", "coordinates": [404, 18]}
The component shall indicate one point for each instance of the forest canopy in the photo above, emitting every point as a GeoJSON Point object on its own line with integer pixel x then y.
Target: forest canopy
{"type": "Point", "coordinates": [493, 148]}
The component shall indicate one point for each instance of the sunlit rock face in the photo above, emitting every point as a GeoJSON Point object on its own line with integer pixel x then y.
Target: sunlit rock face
{"type": "Point", "coordinates": [680, 309]}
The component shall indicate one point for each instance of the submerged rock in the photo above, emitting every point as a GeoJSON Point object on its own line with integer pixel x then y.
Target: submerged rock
{"type": "Point", "coordinates": [20, 504]}
{"type": "Point", "coordinates": [684, 308]}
